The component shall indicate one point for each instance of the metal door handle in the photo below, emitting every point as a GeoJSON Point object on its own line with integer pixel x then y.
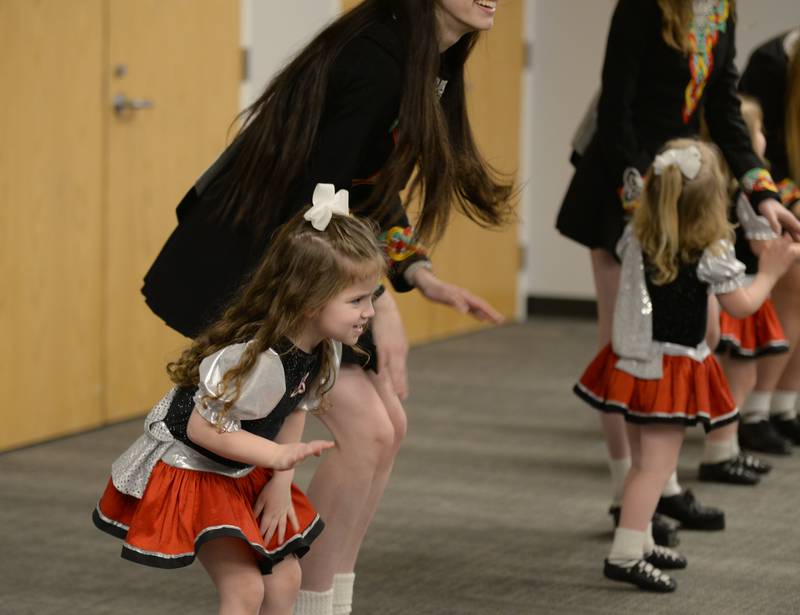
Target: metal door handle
{"type": "Point", "coordinates": [121, 103]}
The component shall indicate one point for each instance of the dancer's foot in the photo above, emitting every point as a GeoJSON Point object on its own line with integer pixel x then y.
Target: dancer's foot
{"type": "Point", "coordinates": [685, 509]}
{"type": "Point", "coordinates": [642, 574]}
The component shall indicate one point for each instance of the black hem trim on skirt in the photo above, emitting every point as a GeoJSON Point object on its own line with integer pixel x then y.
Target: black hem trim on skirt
{"type": "Point", "coordinates": [735, 351]}
{"type": "Point", "coordinates": [298, 547]}
{"type": "Point", "coordinates": [686, 421]}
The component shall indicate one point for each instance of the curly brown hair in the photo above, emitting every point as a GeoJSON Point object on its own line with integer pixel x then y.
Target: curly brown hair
{"type": "Point", "coordinates": [302, 270]}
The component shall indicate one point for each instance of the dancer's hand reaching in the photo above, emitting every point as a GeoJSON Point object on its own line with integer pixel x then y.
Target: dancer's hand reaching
{"type": "Point", "coordinates": [274, 506]}
{"type": "Point", "coordinates": [458, 298]}
{"type": "Point", "coordinates": [289, 455]}
{"type": "Point", "coordinates": [780, 218]}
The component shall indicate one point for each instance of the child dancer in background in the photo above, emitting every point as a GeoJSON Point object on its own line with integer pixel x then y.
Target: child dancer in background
{"type": "Point", "coordinates": [744, 341]}
{"type": "Point", "coordinates": [219, 448]}
{"type": "Point", "coordinates": [659, 372]}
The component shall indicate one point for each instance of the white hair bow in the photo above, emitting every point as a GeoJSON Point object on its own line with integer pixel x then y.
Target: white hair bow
{"type": "Point", "coordinates": [325, 203]}
{"type": "Point", "coordinates": [687, 159]}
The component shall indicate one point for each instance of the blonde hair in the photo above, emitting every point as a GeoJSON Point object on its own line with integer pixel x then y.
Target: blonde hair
{"type": "Point", "coordinates": [679, 217]}
{"type": "Point", "coordinates": [793, 114]}
{"type": "Point", "coordinates": [676, 20]}
{"type": "Point", "coordinates": [302, 270]}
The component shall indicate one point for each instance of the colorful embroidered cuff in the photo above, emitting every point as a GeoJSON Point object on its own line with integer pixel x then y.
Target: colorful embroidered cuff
{"type": "Point", "coordinates": [759, 186]}
{"type": "Point", "coordinates": [630, 191]}
{"type": "Point", "coordinates": [400, 243]}
{"type": "Point", "coordinates": [789, 192]}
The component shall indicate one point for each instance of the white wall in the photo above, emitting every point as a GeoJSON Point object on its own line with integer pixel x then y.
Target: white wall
{"type": "Point", "coordinates": [569, 41]}
{"type": "Point", "coordinates": [274, 31]}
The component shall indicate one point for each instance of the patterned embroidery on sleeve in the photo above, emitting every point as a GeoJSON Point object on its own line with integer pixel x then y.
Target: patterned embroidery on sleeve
{"type": "Point", "coordinates": [710, 18]}
{"type": "Point", "coordinates": [789, 191]}
{"type": "Point", "coordinates": [758, 180]}
{"type": "Point", "coordinates": [401, 243]}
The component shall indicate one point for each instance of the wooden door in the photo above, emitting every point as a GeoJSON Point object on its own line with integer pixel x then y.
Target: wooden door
{"type": "Point", "coordinates": [484, 261]}
{"type": "Point", "coordinates": [181, 56]}
{"type": "Point", "coordinates": [51, 218]}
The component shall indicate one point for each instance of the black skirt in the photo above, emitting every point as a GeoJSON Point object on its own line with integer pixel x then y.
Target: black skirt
{"type": "Point", "coordinates": [591, 212]}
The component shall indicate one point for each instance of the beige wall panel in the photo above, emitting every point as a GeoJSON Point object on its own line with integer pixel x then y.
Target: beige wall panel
{"type": "Point", "coordinates": [50, 218]}
{"type": "Point", "coordinates": [184, 56]}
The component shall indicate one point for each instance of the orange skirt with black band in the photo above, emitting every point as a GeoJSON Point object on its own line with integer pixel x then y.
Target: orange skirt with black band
{"type": "Point", "coordinates": [759, 334]}
{"type": "Point", "coordinates": [689, 392]}
{"type": "Point", "coordinates": [181, 510]}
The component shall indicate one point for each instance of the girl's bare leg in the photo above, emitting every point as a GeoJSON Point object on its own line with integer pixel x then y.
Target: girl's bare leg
{"type": "Point", "coordinates": [352, 476]}
{"type": "Point", "coordinates": [232, 567]}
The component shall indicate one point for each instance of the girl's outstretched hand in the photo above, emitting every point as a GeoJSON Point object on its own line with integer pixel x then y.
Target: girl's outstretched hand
{"type": "Point", "coordinates": [274, 506]}
{"type": "Point", "coordinates": [458, 298]}
{"type": "Point", "coordinates": [780, 218]}
{"type": "Point", "coordinates": [289, 455]}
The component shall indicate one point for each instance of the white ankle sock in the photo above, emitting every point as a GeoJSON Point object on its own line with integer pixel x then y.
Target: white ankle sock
{"type": "Point", "coordinates": [628, 547]}
{"type": "Point", "coordinates": [619, 470]}
{"type": "Point", "coordinates": [716, 451]}
{"type": "Point", "coordinates": [314, 603]}
{"type": "Point", "coordinates": [343, 593]}
{"type": "Point", "coordinates": [782, 405]}
{"type": "Point", "coordinates": [672, 487]}
{"type": "Point", "coordinates": [756, 407]}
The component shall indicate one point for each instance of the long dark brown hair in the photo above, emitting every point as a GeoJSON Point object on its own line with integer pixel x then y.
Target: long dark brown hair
{"type": "Point", "coordinates": [280, 297]}
{"type": "Point", "coordinates": [435, 145]}
{"type": "Point", "coordinates": [793, 115]}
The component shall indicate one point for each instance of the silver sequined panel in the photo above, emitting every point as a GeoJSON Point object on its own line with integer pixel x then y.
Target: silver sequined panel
{"type": "Point", "coordinates": [131, 471]}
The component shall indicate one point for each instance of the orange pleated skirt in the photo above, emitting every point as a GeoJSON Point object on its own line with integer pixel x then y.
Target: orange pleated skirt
{"type": "Point", "coordinates": [181, 510]}
{"type": "Point", "coordinates": [689, 392]}
{"type": "Point", "coordinates": [749, 338]}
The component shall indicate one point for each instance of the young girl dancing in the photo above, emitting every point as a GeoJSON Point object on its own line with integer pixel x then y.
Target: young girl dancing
{"type": "Point", "coordinates": [218, 450]}
{"type": "Point", "coordinates": [744, 342]}
{"type": "Point", "coordinates": [659, 372]}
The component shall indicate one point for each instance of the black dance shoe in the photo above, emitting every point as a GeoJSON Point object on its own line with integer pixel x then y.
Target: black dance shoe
{"type": "Point", "coordinates": [787, 428]}
{"type": "Point", "coordinates": [731, 472]}
{"type": "Point", "coordinates": [763, 437]}
{"type": "Point", "coordinates": [685, 509]}
{"type": "Point", "coordinates": [665, 533]}
{"type": "Point", "coordinates": [754, 464]}
{"type": "Point", "coordinates": [642, 574]}
{"type": "Point", "coordinates": [666, 559]}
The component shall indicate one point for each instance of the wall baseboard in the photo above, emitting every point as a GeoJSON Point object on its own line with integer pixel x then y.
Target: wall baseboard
{"type": "Point", "coordinates": [568, 308]}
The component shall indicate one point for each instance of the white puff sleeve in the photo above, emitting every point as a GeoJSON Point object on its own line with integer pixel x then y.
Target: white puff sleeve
{"type": "Point", "coordinates": [261, 390]}
{"type": "Point", "coordinates": [719, 268]}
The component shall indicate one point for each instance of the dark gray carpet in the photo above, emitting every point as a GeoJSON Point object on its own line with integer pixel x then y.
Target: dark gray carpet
{"type": "Point", "coordinates": [497, 506]}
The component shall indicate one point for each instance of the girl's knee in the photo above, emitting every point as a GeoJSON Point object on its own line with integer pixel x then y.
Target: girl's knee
{"type": "Point", "coordinates": [245, 593]}
{"type": "Point", "coordinates": [282, 586]}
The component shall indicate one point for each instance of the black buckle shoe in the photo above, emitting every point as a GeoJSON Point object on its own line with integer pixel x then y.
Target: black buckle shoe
{"type": "Point", "coordinates": [764, 438]}
{"type": "Point", "coordinates": [788, 428]}
{"type": "Point", "coordinates": [666, 559]}
{"type": "Point", "coordinates": [665, 533]}
{"type": "Point", "coordinates": [754, 464]}
{"type": "Point", "coordinates": [642, 574]}
{"type": "Point", "coordinates": [685, 509]}
{"type": "Point", "coordinates": [731, 472]}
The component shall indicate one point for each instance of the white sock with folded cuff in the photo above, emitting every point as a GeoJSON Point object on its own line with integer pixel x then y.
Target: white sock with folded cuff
{"type": "Point", "coordinates": [343, 593]}
{"type": "Point", "coordinates": [672, 487]}
{"type": "Point", "coordinates": [715, 451]}
{"type": "Point", "coordinates": [314, 603]}
{"type": "Point", "coordinates": [783, 405]}
{"type": "Point", "coordinates": [627, 548]}
{"type": "Point", "coordinates": [756, 407]}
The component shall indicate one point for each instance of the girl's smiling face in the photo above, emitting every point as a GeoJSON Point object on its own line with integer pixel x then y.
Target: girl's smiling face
{"type": "Point", "coordinates": [345, 317]}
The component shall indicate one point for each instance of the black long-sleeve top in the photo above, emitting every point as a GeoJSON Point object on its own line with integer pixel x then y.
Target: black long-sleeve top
{"type": "Point", "coordinates": [204, 261]}
{"type": "Point", "coordinates": [765, 78]}
{"type": "Point", "coordinates": [652, 93]}
{"type": "Point", "coordinates": [647, 97]}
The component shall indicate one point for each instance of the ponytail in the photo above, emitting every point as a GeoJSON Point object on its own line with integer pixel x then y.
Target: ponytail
{"type": "Point", "coordinates": [657, 224]}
